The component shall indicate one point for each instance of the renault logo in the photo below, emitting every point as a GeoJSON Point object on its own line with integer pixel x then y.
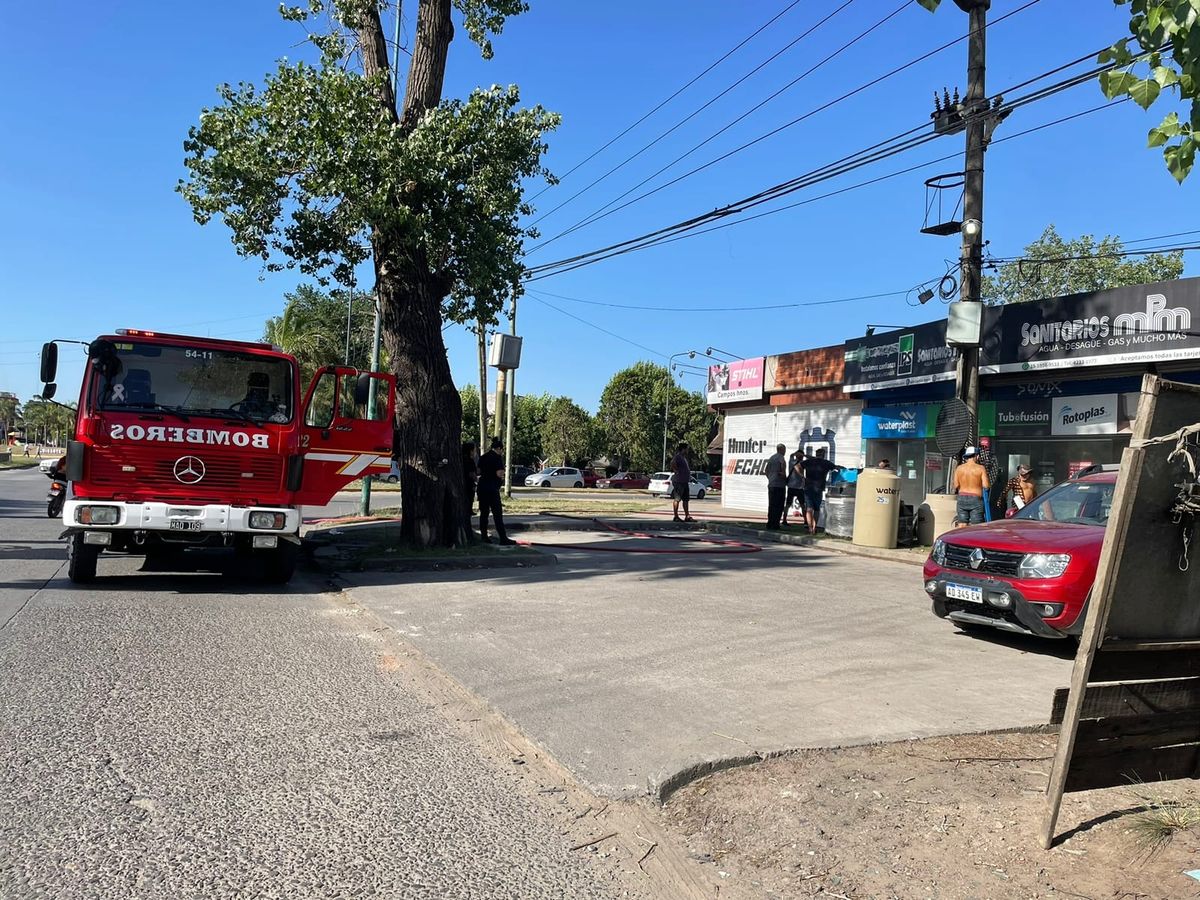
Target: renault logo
{"type": "Point", "coordinates": [976, 557]}
{"type": "Point", "coordinates": [189, 470]}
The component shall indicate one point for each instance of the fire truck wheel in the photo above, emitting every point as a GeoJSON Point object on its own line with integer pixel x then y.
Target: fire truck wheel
{"type": "Point", "coordinates": [281, 563]}
{"type": "Point", "coordinates": [81, 559]}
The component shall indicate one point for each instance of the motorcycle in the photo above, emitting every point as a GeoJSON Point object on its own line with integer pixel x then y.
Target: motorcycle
{"type": "Point", "coordinates": [57, 495]}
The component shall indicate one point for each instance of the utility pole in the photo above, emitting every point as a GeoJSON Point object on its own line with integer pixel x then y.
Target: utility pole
{"type": "Point", "coordinates": [364, 506]}
{"type": "Point", "coordinates": [974, 112]}
{"type": "Point", "coordinates": [512, 403]}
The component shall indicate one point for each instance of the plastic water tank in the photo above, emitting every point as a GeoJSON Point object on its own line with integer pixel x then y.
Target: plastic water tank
{"type": "Point", "coordinates": [935, 517]}
{"type": "Point", "coordinates": [877, 510]}
{"type": "Point", "coordinates": [839, 515]}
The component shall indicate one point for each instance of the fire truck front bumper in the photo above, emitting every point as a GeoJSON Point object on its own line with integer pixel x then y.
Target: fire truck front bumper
{"type": "Point", "coordinates": [182, 519]}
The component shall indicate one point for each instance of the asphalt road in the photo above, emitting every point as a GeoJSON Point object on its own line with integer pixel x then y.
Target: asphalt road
{"type": "Point", "coordinates": [633, 668]}
{"type": "Point", "coordinates": [184, 735]}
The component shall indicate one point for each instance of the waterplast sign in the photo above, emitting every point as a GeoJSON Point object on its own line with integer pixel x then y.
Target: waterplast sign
{"type": "Point", "coordinates": [894, 422]}
{"type": "Point", "coordinates": [1092, 414]}
{"type": "Point", "coordinates": [734, 381]}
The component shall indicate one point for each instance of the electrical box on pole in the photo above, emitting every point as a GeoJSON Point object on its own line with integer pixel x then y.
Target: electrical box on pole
{"type": "Point", "coordinates": [505, 352]}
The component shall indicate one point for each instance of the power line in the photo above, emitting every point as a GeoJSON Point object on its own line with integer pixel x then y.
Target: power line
{"type": "Point", "coordinates": [601, 213]}
{"type": "Point", "coordinates": [695, 112]}
{"type": "Point", "coordinates": [854, 161]}
{"type": "Point", "coordinates": [663, 103]}
{"type": "Point", "coordinates": [701, 309]}
{"type": "Point", "coordinates": [619, 337]}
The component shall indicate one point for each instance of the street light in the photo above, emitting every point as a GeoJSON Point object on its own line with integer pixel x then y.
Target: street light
{"type": "Point", "coordinates": [690, 354]}
{"type": "Point", "coordinates": [711, 350]}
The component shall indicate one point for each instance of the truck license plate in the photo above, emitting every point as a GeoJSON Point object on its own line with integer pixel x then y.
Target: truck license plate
{"type": "Point", "coordinates": [963, 592]}
{"type": "Point", "coordinates": [184, 525]}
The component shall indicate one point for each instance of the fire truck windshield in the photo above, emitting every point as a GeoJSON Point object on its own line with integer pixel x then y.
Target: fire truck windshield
{"type": "Point", "coordinates": [194, 381]}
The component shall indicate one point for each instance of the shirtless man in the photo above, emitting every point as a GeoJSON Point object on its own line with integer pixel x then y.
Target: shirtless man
{"type": "Point", "coordinates": [970, 481]}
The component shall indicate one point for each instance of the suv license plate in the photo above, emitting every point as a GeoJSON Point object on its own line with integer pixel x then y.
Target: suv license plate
{"type": "Point", "coordinates": [963, 592]}
{"type": "Point", "coordinates": [184, 524]}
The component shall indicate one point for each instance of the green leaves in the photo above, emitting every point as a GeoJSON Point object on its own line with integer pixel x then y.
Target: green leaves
{"type": "Point", "coordinates": [305, 171]}
{"type": "Point", "coordinates": [1054, 267]}
{"type": "Point", "coordinates": [1180, 158]}
{"type": "Point", "coordinates": [930, 5]}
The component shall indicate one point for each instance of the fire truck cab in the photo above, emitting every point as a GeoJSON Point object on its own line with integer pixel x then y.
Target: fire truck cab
{"type": "Point", "coordinates": [183, 443]}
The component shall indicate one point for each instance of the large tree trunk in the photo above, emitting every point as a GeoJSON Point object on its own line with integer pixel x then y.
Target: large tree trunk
{"type": "Point", "coordinates": [428, 408]}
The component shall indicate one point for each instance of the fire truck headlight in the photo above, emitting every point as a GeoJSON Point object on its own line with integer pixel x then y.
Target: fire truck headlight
{"type": "Point", "coordinates": [97, 515]}
{"type": "Point", "coordinates": [268, 520]}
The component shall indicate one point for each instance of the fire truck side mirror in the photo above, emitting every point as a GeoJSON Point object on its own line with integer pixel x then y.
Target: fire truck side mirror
{"type": "Point", "coordinates": [49, 390]}
{"type": "Point", "coordinates": [49, 362]}
{"type": "Point", "coordinates": [362, 389]}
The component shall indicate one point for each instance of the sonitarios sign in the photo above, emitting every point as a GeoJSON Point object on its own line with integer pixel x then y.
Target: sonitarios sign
{"type": "Point", "coordinates": [734, 381]}
{"type": "Point", "coordinates": [1137, 324]}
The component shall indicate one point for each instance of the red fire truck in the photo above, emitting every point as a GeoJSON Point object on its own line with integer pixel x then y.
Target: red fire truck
{"type": "Point", "coordinates": [183, 443]}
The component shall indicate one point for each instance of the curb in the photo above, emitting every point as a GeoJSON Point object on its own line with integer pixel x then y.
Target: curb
{"type": "Point", "coordinates": [801, 540]}
{"type": "Point", "coordinates": [664, 788]}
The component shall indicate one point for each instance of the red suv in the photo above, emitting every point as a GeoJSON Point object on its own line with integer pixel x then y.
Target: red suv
{"type": "Point", "coordinates": [1031, 573]}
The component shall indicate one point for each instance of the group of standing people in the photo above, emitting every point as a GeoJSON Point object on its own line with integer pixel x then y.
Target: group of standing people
{"type": "Point", "coordinates": [971, 482]}
{"type": "Point", "coordinates": [796, 480]}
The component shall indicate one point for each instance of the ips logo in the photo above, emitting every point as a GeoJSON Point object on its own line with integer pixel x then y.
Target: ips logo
{"type": "Point", "coordinates": [904, 355]}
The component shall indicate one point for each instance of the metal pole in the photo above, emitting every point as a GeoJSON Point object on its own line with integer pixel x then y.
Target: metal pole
{"type": "Point", "coordinates": [508, 425]}
{"type": "Point", "coordinates": [666, 412]}
{"type": "Point", "coordinates": [349, 311]}
{"type": "Point", "coordinates": [975, 112]}
{"type": "Point", "coordinates": [364, 507]}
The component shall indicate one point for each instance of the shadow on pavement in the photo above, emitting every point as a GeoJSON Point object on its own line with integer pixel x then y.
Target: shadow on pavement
{"type": "Point", "coordinates": [1025, 643]}
{"type": "Point", "coordinates": [582, 560]}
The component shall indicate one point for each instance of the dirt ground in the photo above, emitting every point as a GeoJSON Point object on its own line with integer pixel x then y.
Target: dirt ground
{"type": "Point", "coordinates": [955, 818]}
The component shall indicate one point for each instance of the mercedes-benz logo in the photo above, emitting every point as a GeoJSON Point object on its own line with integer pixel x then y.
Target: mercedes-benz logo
{"type": "Point", "coordinates": [189, 470]}
{"type": "Point", "coordinates": [976, 557]}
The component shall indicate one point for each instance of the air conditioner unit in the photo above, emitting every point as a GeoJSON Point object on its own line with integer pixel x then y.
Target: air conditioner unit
{"type": "Point", "coordinates": [964, 326]}
{"type": "Point", "coordinates": [505, 352]}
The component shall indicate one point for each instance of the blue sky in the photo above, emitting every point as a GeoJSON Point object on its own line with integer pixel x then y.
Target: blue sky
{"type": "Point", "coordinates": [101, 95]}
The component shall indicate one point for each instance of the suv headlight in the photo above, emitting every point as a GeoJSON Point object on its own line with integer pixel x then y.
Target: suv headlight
{"type": "Point", "coordinates": [1043, 565]}
{"type": "Point", "coordinates": [938, 554]}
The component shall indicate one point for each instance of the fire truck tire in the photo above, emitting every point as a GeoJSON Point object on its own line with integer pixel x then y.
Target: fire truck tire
{"type": "Point", "coordinates": [81, 559]}
{"type": "Point", "coordinates": [281, 564]}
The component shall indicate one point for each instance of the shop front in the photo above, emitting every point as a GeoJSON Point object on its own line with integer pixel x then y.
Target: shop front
{"type": "Point", "coordinates": [1080, 424]}
{"type": "Point", "coordinates": [752, 434]}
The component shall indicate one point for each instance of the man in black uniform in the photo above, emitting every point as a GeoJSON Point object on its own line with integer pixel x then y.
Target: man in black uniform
{"type": "Point", "coordinates": [491, 476]}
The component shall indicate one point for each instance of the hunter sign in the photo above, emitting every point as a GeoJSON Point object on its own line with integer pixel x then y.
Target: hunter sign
{"type": "Point", "coordinates": [1138, 324]}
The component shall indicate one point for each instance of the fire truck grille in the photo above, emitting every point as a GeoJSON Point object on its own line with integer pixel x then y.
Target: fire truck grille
{"type": "Point", "coordinates": [224, 474]}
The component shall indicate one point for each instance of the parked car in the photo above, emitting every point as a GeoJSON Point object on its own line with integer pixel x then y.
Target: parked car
{"type": "Point", "coordinates": [1031, 573]}
{"type": "Point", "coordinates": [47, 464]}
{"type": "Point", "coordinates": [520, 473]}
{"type": "Point", "coordinates": [591, 477]}
{"type": "Point", "coordinates": [392, 476]}
{"type": "Point", "coordinates": [660, 483]}
{"type": "Point", "coordinates": [557, 476]}
{"type": "Point", "coordinates": [625, 480]}
{"type": "Point", "coordinates": [716, 482]}
{"type": "Point", "coordinates": [704, 479]}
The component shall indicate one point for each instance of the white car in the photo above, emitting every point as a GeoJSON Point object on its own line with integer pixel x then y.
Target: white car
{"type": "Point", "coordinates": [559, 476]}
{"type": "Point", "coordinates": [660, 483]}
{"type": "Point", "coordinates": [47, 464]}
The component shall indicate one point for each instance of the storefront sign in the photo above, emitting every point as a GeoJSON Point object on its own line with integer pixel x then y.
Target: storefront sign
{"type": "Point", "coordinates": [1138, 324]}
{"type": "Point", "coordinates": [1093, 414]}
{"type": "Point", "coordinates": [899, 422]}
{"type": "Point", "coordinates": [1026, 417]}
{"type": "Point", "coordinates": [735, 381]}
{"type": "Point", "coordinates": [916, 355]}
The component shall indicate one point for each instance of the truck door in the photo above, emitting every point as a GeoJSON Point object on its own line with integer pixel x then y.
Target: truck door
{"type": "Point", "coordinates": [340, 441]}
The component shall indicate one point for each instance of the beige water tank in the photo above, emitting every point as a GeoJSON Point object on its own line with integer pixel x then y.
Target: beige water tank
{"type": "Point", "coordinates": [877, 508]}
{"type": "Point", "coordinates": [935, 517]}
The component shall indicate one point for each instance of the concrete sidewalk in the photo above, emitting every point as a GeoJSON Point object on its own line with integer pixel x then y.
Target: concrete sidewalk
{"type": "Point", "coordinates": [632, 669]}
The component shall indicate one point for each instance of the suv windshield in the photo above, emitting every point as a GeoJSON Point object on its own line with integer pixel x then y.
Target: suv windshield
{"type": "Point", "coordinates": [194, 381]}
{"type": "Point", "coordinates": [1075, 503]}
